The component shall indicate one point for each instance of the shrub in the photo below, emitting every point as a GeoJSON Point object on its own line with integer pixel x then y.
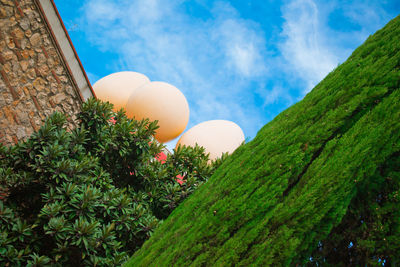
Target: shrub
{"type": "Point", "coordinates": [90, 196]}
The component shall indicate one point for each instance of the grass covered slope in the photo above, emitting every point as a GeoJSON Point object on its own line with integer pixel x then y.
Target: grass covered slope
{"type": "Point", "coordinates": [278, 199]}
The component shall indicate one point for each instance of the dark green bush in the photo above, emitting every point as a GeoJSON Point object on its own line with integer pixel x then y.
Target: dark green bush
{"type": "Point", "coordinates": [93, 195]}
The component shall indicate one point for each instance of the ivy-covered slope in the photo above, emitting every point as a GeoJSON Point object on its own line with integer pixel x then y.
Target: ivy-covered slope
{"type": "Point", "coordinates": [326, 167]}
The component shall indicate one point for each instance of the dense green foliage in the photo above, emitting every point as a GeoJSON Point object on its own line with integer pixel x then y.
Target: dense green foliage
{"type": "Point", "coordinates": [90, 196]}
{"type": "Point", "coordinates": [318, 185]}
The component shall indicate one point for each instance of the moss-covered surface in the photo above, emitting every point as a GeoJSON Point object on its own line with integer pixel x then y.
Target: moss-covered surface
{"type": "Point", "coordinates": [278, 199]}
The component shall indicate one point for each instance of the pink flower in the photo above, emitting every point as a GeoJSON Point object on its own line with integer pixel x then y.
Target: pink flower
{"type": "Point", "coordinates": [161, 157]}
{"type": "Point", "coordinates": [179, 179]}
{"type": "Point", "coordinates": [113, 120]}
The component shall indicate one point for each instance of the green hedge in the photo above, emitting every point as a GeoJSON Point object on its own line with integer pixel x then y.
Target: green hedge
{"type": "Point", "coordinates": [318, 185]}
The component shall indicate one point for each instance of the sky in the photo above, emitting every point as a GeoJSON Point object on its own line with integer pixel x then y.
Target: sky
{"type": "Point", "coordinates": [243, 61]}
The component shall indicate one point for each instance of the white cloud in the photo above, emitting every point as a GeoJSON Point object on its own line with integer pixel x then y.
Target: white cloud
{"type": "Point", "coordinates": [368, 13]}
{"type": "Point", "coordinates": [278, 93]}
{"type": "Point", "coordinates": [304, 47]}
{"type": "Point", "coordinates": [243, 47]}
{"type": "Point", "coordinates": [311, 48]}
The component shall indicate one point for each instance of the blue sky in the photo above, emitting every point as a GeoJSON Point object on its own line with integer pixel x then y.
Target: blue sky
{"type": "Point", "coordinates": [243, 61]}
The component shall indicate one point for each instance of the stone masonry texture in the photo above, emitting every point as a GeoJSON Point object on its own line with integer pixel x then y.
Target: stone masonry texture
{"type": "Point", "coordinates": [34, 81]}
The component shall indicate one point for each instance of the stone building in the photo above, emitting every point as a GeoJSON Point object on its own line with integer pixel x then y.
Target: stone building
{"type": "Point", "coordinates": [40, 71]}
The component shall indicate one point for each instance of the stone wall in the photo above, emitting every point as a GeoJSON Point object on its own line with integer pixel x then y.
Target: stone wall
{"type": "Point", "coordinates": [34, 81]}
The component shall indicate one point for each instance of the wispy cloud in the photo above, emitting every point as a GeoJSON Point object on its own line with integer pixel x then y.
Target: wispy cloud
{"type": "Point", "coordinates": [278, 93]}
{"type": "Point", "coordinates": [304, 47]}
{"type": "Point", "coordinates": [311, 48]}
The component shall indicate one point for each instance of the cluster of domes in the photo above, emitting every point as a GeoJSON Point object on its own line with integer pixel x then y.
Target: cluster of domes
{"type": "Point", "coordinates": [165, 103]}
